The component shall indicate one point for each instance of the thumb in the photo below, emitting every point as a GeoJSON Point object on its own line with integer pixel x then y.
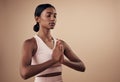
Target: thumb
{"type": "Point", "coordinates": [62, 59]}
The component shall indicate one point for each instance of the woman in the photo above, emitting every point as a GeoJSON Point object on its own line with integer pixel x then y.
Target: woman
{"type": "Point", "coordinates": [43, 55]}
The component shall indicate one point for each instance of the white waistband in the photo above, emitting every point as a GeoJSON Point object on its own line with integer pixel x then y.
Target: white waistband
{"type": "Point", "coordinates": [49, 79]}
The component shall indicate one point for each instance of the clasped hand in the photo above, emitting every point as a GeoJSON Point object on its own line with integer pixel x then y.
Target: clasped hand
{"type": "Point", "coordinates": [58, 52]}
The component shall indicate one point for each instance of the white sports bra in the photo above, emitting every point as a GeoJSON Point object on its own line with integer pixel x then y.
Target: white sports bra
{"type": "Point", "coordinates": [43, 54]}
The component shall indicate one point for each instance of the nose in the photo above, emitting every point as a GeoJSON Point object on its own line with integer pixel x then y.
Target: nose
{"type": "Point", "coordinates": [52, 18]}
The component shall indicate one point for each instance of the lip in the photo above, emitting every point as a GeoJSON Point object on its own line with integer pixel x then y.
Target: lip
{"type": "Point", "coordinates": [52, 24]}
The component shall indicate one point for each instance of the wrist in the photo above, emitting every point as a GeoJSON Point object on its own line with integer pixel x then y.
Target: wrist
{"type": "Point", "coordinates": [53, 61]}
{"type": "Point", "coordinates": [65, 60]}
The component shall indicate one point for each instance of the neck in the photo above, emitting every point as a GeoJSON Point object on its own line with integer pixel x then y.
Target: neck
{"type": "Point", "coordinates": [44, 34]}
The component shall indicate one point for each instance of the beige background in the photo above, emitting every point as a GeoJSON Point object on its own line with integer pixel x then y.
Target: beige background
{"type": "Point", "coordinates": [90, 27]}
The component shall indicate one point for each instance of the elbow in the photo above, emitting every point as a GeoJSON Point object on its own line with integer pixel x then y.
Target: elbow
{"type": "Point", "coordinates": [82, 68]}
{"type": "Point", "coordinates": [24, 74]}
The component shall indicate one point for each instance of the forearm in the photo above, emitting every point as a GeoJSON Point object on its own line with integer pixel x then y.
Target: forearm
{"type": "Point", "coordinates": [79, 66]}
{"type": "Point", "coordinates": [31, 70]}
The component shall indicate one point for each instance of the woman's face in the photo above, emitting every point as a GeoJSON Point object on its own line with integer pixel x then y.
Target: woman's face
{"type": "Point", "coordinates": [48, 18]}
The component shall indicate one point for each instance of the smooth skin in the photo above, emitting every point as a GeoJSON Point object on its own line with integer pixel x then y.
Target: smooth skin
{"type": "Point", "coordinates": [47, 21]}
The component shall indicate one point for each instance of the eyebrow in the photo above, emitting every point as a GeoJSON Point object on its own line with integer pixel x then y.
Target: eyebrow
{"type": "Point", "coordinates": [52, 13]}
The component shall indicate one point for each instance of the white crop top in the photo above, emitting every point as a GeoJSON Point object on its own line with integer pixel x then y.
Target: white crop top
{"type": "Point", "coordinates": [43, 54]}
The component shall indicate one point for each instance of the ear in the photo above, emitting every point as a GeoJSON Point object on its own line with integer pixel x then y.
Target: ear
{"type": "Point", "coordinates": [37, 19]}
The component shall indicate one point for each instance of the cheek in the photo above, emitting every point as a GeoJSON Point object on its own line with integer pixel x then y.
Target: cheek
{"type": "Point", "coordinates": [44, 21]}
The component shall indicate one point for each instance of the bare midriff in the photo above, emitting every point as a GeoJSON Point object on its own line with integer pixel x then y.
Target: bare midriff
{"type": "Point", "coordinates": [50, 74]}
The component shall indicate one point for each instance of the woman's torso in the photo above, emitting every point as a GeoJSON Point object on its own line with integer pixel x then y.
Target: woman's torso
{"type": "Point", "coordinates": [43, 54]}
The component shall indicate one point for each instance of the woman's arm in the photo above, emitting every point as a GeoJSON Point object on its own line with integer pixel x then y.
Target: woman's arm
{"type": "Point", "coordinates": [74, 62]}
{"type": "Point", "coordinates": [75, 65]}
{"type": "Point", "coordinates": [26, 69]}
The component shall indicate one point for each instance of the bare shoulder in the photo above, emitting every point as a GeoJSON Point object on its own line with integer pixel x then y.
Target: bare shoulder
{"type": "Point", "coordinates": [30, 43]}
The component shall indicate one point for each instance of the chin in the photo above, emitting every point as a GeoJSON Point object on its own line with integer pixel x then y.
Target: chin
{"type": "Point", "coordinates": [51, 27]}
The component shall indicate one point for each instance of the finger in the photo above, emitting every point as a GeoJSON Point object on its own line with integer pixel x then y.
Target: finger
{"type": "Point", "coordinates": [61, 48]}
{"type": "Point", "coordinates": [58, 43]}
{"type": "Point", "coordinates": [62, 59]}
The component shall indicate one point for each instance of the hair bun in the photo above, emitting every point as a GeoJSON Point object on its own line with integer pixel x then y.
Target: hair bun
{"type": "Point", "coordinates": [36, 27]}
